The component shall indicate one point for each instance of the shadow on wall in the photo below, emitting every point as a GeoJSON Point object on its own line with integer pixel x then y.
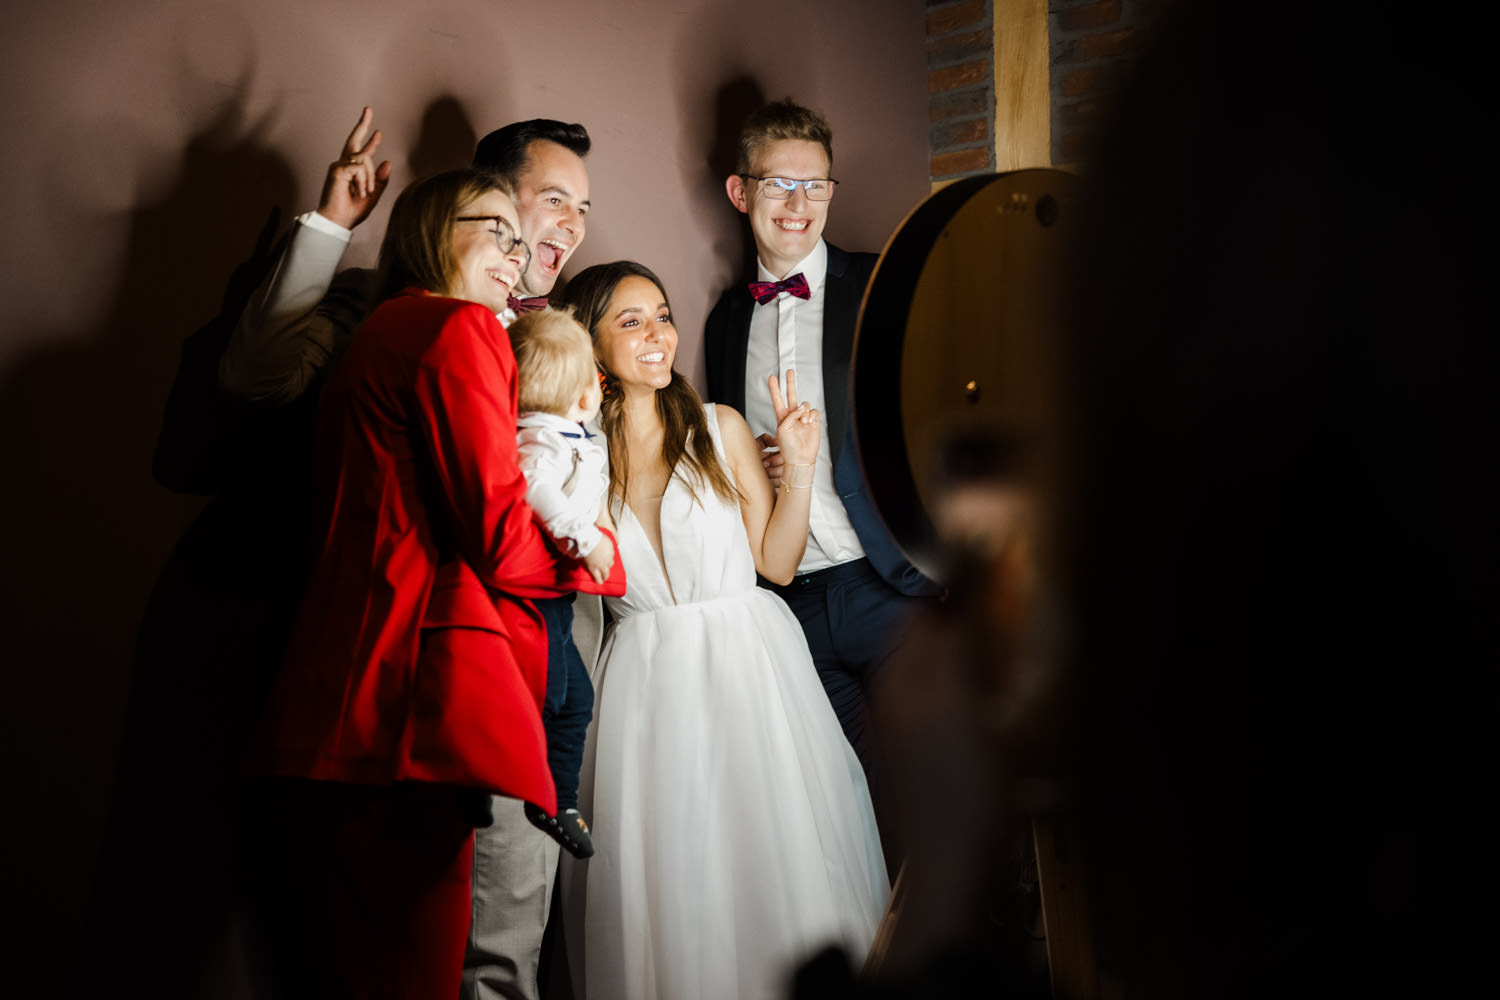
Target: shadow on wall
{"type": "Point", "coordinates": [445, 141]}
{"type": "Point", "coordinates": [734, 101]}
{"type": "Point", "coordinates": [709, 122]}
{"type": "Point", "coordinates": [706, 153]}
{"type": "Point", "coordinates": [707, 134]}
{"type": "Point", "coordinates": [88, 526]}
{"type": "Point", "coordinates": [92, 529]}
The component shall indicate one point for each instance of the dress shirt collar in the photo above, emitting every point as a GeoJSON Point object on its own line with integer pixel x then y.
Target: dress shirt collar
{"type": "Point", "coordinates": [537, 420]}
{"type": "Point", "coordinates": [813, 267]}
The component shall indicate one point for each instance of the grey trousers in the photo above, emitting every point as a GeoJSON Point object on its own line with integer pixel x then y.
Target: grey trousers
{"type": "Point", "coordinates": [514, 865]}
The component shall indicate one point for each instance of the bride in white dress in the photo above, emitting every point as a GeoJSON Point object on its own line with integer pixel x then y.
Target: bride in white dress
{"type": "Point", "coordinates": [733, 827]}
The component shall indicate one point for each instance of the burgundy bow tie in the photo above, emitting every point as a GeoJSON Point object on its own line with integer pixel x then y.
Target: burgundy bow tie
{"type": "Point", "coordinates": [765, 291]}
{"type": "Point", "coordinates": [519, 306]}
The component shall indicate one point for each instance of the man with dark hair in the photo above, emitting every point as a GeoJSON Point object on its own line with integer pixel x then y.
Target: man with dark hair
{"type": "Point", "coordinates": [296, 324]}
{"type": "Point", "coordinates": [543, 159]}
{"type": "Point", "coordinates": [853, 587]}
{"type": "Point", "coordinates": [506, 150]}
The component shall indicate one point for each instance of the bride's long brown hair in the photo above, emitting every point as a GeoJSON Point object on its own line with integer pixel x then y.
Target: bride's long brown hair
{"type": "Point", "coordinates": [686, 438]}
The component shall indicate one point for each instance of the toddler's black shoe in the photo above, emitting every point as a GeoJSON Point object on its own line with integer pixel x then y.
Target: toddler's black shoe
{"type": "Point", "coordinates": [567, 828]}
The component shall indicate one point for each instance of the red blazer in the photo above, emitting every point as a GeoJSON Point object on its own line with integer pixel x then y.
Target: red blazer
{"type": "Point", "coordinates": [417, 654]}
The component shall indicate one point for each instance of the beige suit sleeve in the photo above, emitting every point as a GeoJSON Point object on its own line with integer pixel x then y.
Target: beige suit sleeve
{"type": "Point", "coordinates": [297, 321]}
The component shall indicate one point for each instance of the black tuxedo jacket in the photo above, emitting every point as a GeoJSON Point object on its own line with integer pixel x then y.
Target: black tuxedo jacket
{"type": "Point", "coordinates": [727, 338]}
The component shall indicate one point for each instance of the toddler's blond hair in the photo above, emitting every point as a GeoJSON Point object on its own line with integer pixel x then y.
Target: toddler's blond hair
{"type": "Point", "coordinates": [554, 360]}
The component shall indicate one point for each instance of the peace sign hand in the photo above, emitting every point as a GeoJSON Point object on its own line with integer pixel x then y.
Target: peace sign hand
{"type": "Point", "coordinates": [797, 424]}
{"type": "Point", "coordinates": [354, 183]}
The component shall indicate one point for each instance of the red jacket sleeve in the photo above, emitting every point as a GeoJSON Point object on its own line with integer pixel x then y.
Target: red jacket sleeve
{"type": "Point", "coordinates": [466, 415]}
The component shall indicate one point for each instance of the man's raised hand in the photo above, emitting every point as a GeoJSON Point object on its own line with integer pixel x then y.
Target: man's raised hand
{"type": "Point", "coordinates": [355, 182]}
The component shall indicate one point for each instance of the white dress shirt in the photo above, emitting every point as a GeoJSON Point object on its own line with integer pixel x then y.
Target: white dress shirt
{"type": "Point", "coordinates": [787, 332]}
{"type": "Point", "coordinates": [567, 474]}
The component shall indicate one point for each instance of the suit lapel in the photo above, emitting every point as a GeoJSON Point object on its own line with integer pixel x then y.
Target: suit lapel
{"type": "Point", "coordinates": [841, 298]}
{"type": "Point", "coordinates": [740, 305]}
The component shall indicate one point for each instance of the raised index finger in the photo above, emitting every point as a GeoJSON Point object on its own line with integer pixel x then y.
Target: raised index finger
{"type": "Point", "coordinates": [356, 138]}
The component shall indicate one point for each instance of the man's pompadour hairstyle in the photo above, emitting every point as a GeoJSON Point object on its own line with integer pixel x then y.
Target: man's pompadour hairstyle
{"type": "Point", "coordinates": [784, 119]}
{"type": "Point", "coordinates": [507, 150]}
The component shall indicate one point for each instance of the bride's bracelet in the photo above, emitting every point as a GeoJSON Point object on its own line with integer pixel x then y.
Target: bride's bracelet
{"type": "Point", "coordinates": [786, 479]}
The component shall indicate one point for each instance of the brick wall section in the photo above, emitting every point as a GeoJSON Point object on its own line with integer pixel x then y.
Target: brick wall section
{"type": "Point", "coordinates": [960, 87]}
{"type": "Point", "coordinates": [1092, 43]}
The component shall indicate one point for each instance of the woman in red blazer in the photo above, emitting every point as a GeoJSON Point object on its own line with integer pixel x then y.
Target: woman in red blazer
{"type": "Point", "coordinates": [417, 666]}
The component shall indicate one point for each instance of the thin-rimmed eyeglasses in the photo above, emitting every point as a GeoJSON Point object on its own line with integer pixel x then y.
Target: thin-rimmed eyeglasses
{"type": "Point", "coordinates": [505, 236]}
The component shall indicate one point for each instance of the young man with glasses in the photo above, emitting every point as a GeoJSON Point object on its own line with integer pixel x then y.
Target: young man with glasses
{"type": "Point", "coordinates": [853, 587]}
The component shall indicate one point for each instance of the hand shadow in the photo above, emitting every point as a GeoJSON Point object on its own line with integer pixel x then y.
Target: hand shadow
{"type": "Point", "coordinates": [95, 531]}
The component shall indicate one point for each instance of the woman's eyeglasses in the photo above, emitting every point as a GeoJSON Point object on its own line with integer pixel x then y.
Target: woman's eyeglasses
{"type": "Point", "coordinates": [505, 237]}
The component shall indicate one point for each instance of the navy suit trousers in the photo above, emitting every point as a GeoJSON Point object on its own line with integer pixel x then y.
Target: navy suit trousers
{"type": "Point", "coordinates": [853, 621]}
{"type": "Point", "coordinates": [569, 703]}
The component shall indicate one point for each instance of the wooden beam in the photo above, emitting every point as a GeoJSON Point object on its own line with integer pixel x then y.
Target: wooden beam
{"type": "Point", "coordinates": [1023, 97]}
{"type": "Point", "coordinates": [1065, 915]}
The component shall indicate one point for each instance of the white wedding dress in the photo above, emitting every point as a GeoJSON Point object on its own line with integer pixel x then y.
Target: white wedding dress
{"type": "Point", "coordinates": [732, 821]}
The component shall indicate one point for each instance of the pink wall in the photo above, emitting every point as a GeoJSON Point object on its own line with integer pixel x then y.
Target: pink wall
{"type": "Point", "coordinates": [147, 141]}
